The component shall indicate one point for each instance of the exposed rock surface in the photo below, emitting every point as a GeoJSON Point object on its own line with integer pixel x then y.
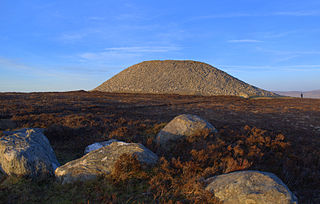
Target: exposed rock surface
{"type": "Point", "coordinates": [98, 145]}
{"type": "Point", "coordinates": [27, 152]}
{"type": "Point", "coordinates": [102, 161]}
{"type": "Point", "coordinates": [181, 127]}
{"type": "Point", "coordinates": [254, 187]}
{"type": "Point", "coordinates": [178, 77]}
{"type": "Point", "coordinates": [6, 124]}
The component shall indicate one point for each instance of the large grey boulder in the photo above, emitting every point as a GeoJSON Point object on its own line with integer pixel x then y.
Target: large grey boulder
{"type": "Point", "coordinates": [254, 187]}
{"type": "Point", "coordinates": [102, 161]}
{"type": "Point", "coordinates": [98, 145]}
{"type": "Point", "coordinates": [27, 152]}
{"type": "Point", "coordinates": [181, 127]}
{"type": "Point", "coordinates": [6, 124]}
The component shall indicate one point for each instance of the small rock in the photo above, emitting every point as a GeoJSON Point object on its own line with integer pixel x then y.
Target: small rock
{"type": "Point", "coordinates": [244, 95]}
{"type": "Point", "coordinates": [254, 187]}
{"type": "Point", "coordinates": [98, 145]}
{"type": "Point", "coordinates": [27, 152]}
{"type": "Point", "coordinates": [182, 127]}
{"type": "Point", "coordinates": [102, 161]}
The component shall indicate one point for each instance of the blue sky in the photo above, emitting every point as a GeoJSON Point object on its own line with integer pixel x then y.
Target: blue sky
{"type": "Point", "coordinates": [76, 44]}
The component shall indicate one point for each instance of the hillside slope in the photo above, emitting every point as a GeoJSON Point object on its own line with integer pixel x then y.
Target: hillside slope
{"type": "Point", "coordinates": [178, 77]}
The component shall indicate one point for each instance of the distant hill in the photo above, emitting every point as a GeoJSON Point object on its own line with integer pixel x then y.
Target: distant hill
{"type": "Point", "coordinates": [306, 94]}
{"type": "Point", "coordinates": [178, 77]}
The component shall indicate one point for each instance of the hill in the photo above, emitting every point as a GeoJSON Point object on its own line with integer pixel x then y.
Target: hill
{"type": "Point", "coordinates": [306, 94]}
{"type": "Point", "coordinates": [178, 77]}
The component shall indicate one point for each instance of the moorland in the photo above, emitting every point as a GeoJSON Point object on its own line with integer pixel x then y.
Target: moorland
{"type": "Point", "coordinates": [279, 135]}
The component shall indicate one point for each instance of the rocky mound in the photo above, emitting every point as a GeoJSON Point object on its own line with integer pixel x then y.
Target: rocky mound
{"type": "Point", "coordinates": [178, 77]}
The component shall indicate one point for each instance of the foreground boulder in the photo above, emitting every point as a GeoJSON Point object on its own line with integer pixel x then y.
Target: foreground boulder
{"type": "Point", "coordinates": [181, 127]}
{"type": "Point", "coordinates": [6, 124]}
{"type": "Point", "coordinates": [98, 145]}
{"type": "Point", "coordinates": [254, 187]}
{"type": "Point", "coordinates": [102, 161]}
{"type": "Point", "coordinates": [27, 152]}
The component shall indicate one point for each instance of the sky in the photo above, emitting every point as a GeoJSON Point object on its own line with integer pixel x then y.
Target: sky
{"type": "Point", "coordinates": [66, 45]}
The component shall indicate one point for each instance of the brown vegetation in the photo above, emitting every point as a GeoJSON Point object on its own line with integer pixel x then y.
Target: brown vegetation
{"type": "Point", "coordinates": [275, 135]}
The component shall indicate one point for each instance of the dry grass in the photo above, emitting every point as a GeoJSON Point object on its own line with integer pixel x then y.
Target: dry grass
{"type": "Point", "coordinates": [279, 135]}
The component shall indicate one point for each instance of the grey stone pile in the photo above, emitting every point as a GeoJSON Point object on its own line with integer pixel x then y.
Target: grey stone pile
{"type": "Point", "coordinates": [183, 77]}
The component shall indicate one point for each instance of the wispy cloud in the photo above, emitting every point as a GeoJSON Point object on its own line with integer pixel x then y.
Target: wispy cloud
{"type": "Point", "coordinates": [225, 15]}
{"type": "Point", "coordinates": [286, 55]}
{"type": "Point", "coordinates": [144, 49]}
{"type": "Point", "coordinates": [273, 34]}
{"type": "Point", "coordinates": [297, 13]}
{"type": "Point", "coordinates": [277, 13]}
{"type": "Point", "coordinates": [96, 18]}
{"type": "Point", "coordinates": [289, 52]}
{"type": "Point", "coordinates": [11, 64]}
{"type": "Point", "coordinates": [126, 52]}
{"type": "Point", "coordinates": [26, 78]}
{"type": "Point", "coordinates": [72, 37]}
{"type": "Point", "coordinates": [43, 72]}
{"type": "Point", "coordinates": [106, 55]}
{"type": "Point", "coordinates": [244, 41]}
{"type": "Point", "coordinates": [77, 35]}
{"type": "Point", "coordinates": [286, 58]}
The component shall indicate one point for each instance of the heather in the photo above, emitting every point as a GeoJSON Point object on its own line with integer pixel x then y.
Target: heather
{"type": "Point", "coordinates": [278, 135]}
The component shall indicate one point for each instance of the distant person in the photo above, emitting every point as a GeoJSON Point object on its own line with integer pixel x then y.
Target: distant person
{"type": "Point", "coordinates": [301, 95]}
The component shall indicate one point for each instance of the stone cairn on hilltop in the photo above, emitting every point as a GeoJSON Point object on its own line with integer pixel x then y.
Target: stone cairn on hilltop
{"type": "Point", "coordinates": [184, 77]}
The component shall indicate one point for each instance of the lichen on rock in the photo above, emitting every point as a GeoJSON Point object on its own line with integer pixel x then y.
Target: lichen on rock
{"type": "Point", "coordinates": [180, 128]}
{"type": "Point", "coordinates": [27, 152]}
{"type": "Point", "coordinates": [101, 161]}
{"type": "Point", "coordinates": [254, 187]}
